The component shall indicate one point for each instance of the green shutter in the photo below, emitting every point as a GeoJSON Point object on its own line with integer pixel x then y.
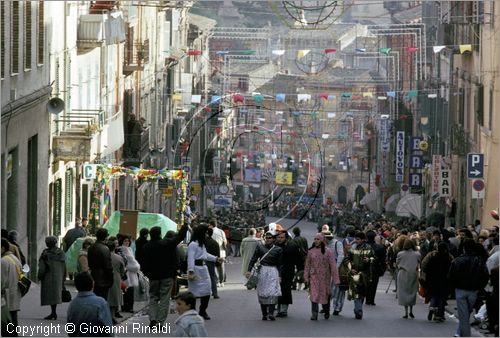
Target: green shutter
{"type": "Point", "coordinates": [57, 207]}
{"type": "Point", "coordinates": [68, 197]}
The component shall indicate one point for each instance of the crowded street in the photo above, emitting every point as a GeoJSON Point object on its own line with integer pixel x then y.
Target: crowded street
{"type": "Point", "coordinates": [195, 168]}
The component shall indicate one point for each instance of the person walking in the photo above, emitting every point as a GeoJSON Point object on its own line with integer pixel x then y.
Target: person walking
{"type": "Point", "coordinates": [161, 274]}
{"type": "Point", "coordinates": [198, 276]}
{"type": "Point", "coordinates": [11, 294]}
{"type": "Point", "coordinates": [132, 267]}
{"type": "Point", "coordinates": [378, 266]}
{"type": "Point", "coordinates": [51, 274]}
{"type": "Point", "coordinates": [361, 257]}
{"type": "Point", "coordinates": [72, 234]}
{"type": "Point", "coordinates": [320, 272]}
{"type": "Point", "coordinates": [99, 258]}
{"type": "Point", "coordinates": [337, 290]}
{"type": "Point", "coordinates": [407, 262]}
{"type": "Point", "coordinates": [268, 285]}
{"type": "Point", "coordinates": [139, 244]}
{"type": "Point", "coordinates": [434, 271]}
{"type": "Point", "coordinates": [247, 249]}
{"type": "Point", "coordinates": [212, 248]}
{"type": "Point", "coordinates": [115, 294]}
{"type": "Point", "coordinates": [467, 275]}
{"type": "Point", "coordinates": [291, 259]}
{"type": "Point", "coordinates": [220, 237]}
{"type": "Point", "coordinates": [89, 309]}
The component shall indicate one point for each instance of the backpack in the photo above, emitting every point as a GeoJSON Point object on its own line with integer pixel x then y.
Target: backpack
{"type": "Point", "coordinates": [344, 273]}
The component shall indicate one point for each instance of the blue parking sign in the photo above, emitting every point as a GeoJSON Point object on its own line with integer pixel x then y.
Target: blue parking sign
{"type": "Point", "coordinates": [475, 165]}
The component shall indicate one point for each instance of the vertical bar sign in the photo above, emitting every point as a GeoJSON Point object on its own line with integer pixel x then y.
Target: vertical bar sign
{"type": "Point", "coordinates": [436, 174]}
{"type": "Point", "coordinates": [400, 156]}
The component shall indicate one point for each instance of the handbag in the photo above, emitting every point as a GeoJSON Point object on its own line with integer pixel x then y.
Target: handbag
{"type": "Point", "coordinates": [141, 292]}
{"type": "Point", "coordinates": [66, 295]}
{"type": "Point", "coordinates": [254, 274]}
{"type": "Point", "coordinates": [23, 282]}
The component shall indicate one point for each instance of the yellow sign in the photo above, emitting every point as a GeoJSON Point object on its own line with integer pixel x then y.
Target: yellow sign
{"type": "Point", "coordinates": [168, 191]}
{"type": "Point", "coordinates": [424, 145]}
{"type": "Point", "coordinates": [284, 177]}
{"type": "Point", "coordinates": [195, 188]}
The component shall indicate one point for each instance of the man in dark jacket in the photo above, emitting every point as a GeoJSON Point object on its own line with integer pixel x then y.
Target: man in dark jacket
{"type": "Point", "coordinates": [468, 274]}
{"type": "Point", "coordinates": [378, 266]}
{"type": "Point", "coordinates": [99, 258]}
{"type": "Point", "coordinates": [160, 266]}
{"type": "Point", "coordinates": [291, 259]}
{"type": "Point", "coordinates": [212, 248]}
{"type": "Point", "coordinates": [139, 245]}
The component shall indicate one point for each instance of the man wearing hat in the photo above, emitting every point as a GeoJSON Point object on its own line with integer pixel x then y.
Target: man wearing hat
{"type": "Point", "coordinates": [99, 258]}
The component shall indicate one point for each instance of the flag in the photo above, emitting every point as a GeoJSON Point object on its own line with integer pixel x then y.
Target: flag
{"type": "Point", "coordinates": [303, 97]}
{"type": "Point", "coordinates": [391, 94]}
{"type": "Point", "coordinates": [411, 49]}
{"type": "Point", "coordinates": [412, 93]}
{"type": "Point", "coordinates": [323, 96]}
{"type": "Point", "coordinates": [279, 112]}
{"type": "Point", "coordinates": [385, 51]}
{"type": "Point", "coordinates": [360, 50]}
{"type": "Point", "coordinates": [331, 97]}
{"type": "Point", "coordinates": [432, 96]}
{"type": "Point", "coordinates": [247, 52]}
{"type": "Point", "coordinates": [278, 52]}
{"type": "Point", "coordinates": [302, 52]}
{"type": "Point", "coordinates": [195, 98]}
{"type": "Point", "coordinates": [437, 49]}
{"type": "Point", "coordinates": [238, 98]}
{"type": "Point", "coordinates": [331, 115]}
{"type": "Point", "coordinates": [258, 98]}
{"type": "Point", "coordinates": [222, 52]}
{"type": "Point", "coordinates": [177, 97]}
{"type": "Point", "coordinates": [382, 98]}
{"type": "Point", "coordinates": [367, 94]}
{"type": "Point", "coordinates": [330, 50]}
{"type": "Point", "coordinates": [215, 99]}
{"type": "Point", "coordinates": [465, 48]}
{"type": "Point", "coordinates": [346, 94]}
{"type": "Point", "coordinates": [280, 97]}
{"type": "Point", "coordinates": [284, 177]}
{"type": "Point", "coordinates": [194, 52]}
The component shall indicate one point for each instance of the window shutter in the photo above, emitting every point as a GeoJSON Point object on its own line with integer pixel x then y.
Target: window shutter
{"type": "Point", "coordinates": [2, 39]}
{"type": "Point", "coordinates": [27, 35]}
{"type": "Point", "coordinates": [41, 32]}
{"type": "Point", "coordinates": [68, 197]}
{"type": "Point", "coordinates": [56, 224]}
{"type": "Point", "coordinates": [14, 41]}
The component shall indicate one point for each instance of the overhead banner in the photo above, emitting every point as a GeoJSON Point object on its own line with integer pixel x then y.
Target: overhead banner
{"type": "Point", "coordinates": [284, 177]}
{"type": "Point", "coordinates": [253, 175]}
{"type": "Point", "coordinates": [400, 156]}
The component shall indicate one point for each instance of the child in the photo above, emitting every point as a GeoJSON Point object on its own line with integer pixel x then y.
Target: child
{"type": "Point", "coordinates": [189, 323]}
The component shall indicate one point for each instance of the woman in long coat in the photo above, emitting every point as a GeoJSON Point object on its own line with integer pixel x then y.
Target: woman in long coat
{"type": "Point", "coordinates": [320, 272]}
{"type": "Point", "coordinates": [199, 282]}
{"type": "Point", "coordinates": [435, 267]}
{"type": "Point", "coordinates": [268, 284]}
{"type": "Point", "coordinates": [132, 267]}
{"type": "Point", "coordinates": [51, 273]}
{"type": "Point", "coordinates": [407, 262]}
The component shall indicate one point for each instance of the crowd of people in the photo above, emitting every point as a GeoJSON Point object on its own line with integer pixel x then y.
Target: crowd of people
{"type": "Point", "coordinates": [114, 272]}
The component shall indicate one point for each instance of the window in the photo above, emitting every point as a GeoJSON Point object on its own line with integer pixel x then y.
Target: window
{"type": "Point", "coordinates": [41, 32]}
{"type": "Point", "coordinates": [14, 39]}
{"type": "Point", "coordinates": [68, 197]}
{"type": "Point", "coordinates": [490, 118]}
{"type": "Point", "coordinates": [2, 39]}
{"type": "Point", "coordinates": [56, 211]}
{"type": "Point", "coordinates": [478, 104]}
{"type": "Point", "coordinates": [27, 35]}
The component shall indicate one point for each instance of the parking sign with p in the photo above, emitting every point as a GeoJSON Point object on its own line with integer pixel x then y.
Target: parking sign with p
{"type": "Point", "coordinates": [475, 165]}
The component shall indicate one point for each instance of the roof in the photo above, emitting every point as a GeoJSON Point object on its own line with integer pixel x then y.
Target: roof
{"type": "Point", "coordinates": [410, 15]}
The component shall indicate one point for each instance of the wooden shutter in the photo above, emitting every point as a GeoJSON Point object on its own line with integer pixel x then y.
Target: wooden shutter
{"type": "Point", "coordinates": [41, 32]}
{"type": "Point", "coordinates": [2, 39]}
{"type": "Point", "coordinates": [14, 40]}
{"type": "Point", "coordinates": [27, 35]}
{"type": "Point", "coordinates": [68, 197]}
{"type": "Point", "coordinates": [56, 215]}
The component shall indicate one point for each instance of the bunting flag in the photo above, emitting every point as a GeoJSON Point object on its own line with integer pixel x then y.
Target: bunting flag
{"type": "Point", "coordinates": [382, 98]}
{"type": "Point", "coordinates": [411, 49]}
{"type": "Point", "coordinates": [432, 96]}
{"type": "Point", "coordinates": [360, 50]}
{"type": "Point", "coordinates": [279, 52]}
{"type": "Point", "coordinates": [331, 97]}
{"type": "Point", "coordinates": [215, 99]}
{"type": "Point", "coordinates": [195, 98]}
{"type": "Point", "coordinates": [412, 93]}
{"type": "Point", "coordinates": [367, 94]}
{"type": "Point", "coordinates": [437, 49]}
{"type": "Point", "coordinates": [247, 52]}
{"type": "Point", "coordinates": [238, 98]}
{"type": "Point", "coordinates": [303, 97]}
{"type": "Point", "coordinates": [356, 97]}
{"type": "Point", "coordinates": [279, 112]}
{"type": "Point", "coordinates": [177, 97]}
{"type": "Point", "coordinates": [219, 52]}
{"type": "Point", "coordinates": [330, 50]}
{"type": "Point", "coordinates": [385, 51]}
{"type": "Point", "coordinates": [194, 52]}
{"type": "Point", "coordinates": [391, 94]}
{"type": "Point", "coordinates": [303, 52]}
{"type": "Point", "coordinates": [465, 48]}
{"type": "Point", "coordinates": [280, 97]}
{"type": "Point", "coordinates": [331, 115]}
{"type": "Point", "coordinates": [323, 96]}
{"type": "Point", "coordinates": [346, 94]}
{"type": "Point", "coordinates": [258, 98]}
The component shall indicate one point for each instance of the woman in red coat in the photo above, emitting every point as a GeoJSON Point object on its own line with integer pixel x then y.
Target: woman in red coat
{"type": "Point", "coordinates": [320, 272]}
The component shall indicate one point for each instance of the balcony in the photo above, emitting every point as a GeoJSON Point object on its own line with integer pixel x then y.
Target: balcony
{"type": "Point", "coordinates": [136, 56]}
{"type": "Point", "coordinates": [136, 148]}
{"type": "Point", "coordinates": [90, 31]}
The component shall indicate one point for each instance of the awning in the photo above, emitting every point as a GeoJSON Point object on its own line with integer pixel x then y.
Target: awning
{"type": "Point", "coordinates": [370, 200]}
{"type": "Point", "coordinates": [410, 205]}
{"type": "Point", "coordinates": [392, 203]}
